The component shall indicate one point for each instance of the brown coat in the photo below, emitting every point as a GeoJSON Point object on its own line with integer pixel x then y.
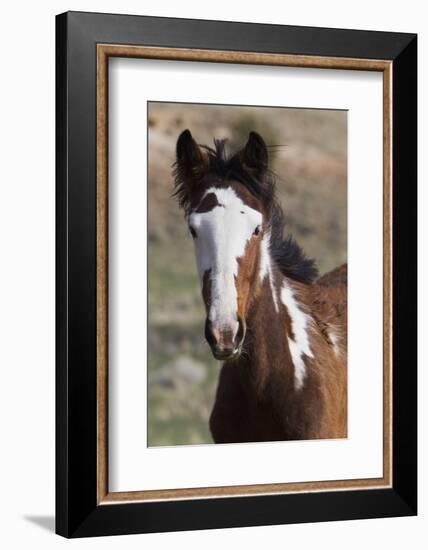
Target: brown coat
{"type": "Point", "coordinates": [256, 397]}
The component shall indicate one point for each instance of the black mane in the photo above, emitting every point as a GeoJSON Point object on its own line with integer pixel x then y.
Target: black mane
{"type": "Point", "coordinates": [287, 254]}
{"type": "Point", "coordinates": [230, 167]}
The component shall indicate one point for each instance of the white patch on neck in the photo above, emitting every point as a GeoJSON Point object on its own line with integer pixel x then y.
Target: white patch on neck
{"type": "Point", "coordinates": [299, 346]}
{"type": "Point", "coordinates": [266, 267]}
{"type": "Point", "coordinates": [335, 339]}
{"type": "Point", "coordinates": [222, 235]}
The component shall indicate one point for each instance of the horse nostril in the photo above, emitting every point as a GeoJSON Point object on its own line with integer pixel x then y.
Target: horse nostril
{"type": "Point", "coordinates": [210, 334]}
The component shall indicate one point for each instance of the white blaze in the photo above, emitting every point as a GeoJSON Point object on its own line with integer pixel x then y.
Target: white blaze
{"type": "Point", "coordinates": [222, 235]}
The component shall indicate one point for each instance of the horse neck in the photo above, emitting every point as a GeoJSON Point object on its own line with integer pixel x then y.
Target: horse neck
{"type": "Point", "coordinates": [277, 335]}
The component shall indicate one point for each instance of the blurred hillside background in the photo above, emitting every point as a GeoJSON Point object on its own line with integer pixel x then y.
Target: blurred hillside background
{"type": "Point", "coordinates": [311, 170]}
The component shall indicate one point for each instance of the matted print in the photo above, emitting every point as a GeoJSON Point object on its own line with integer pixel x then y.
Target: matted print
{"type": "Point", "coordinates": [247, 274]}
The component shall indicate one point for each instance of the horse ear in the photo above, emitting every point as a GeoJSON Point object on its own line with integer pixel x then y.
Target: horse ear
{"type": "Point", "coordinates": [254, 156]}
{"type": "Point", "coordinates": [190, 165]}
{"type": "Point", "coordinates": [191, 160]}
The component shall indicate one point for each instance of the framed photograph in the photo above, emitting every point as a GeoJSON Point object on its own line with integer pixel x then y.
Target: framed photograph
{"type": "Point", "coordinates": [236, 274]}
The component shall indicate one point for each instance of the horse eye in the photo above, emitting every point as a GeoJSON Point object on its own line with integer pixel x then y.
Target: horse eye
{"type": "Point", "coordinates": [192, 232]}
{"type": "Point", "coordinates": [256, 230]}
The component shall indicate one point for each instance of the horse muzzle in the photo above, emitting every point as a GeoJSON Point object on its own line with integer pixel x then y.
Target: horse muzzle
{"type": "Point", "coordinates": [225, 341]}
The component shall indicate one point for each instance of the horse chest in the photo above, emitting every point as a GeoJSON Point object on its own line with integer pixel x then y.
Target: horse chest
{"type": "Point", "coordinates": [242, 414]}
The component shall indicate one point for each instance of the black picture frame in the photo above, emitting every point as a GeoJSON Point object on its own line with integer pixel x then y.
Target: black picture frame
{"type": "Point", "coordinates": [77, 511]}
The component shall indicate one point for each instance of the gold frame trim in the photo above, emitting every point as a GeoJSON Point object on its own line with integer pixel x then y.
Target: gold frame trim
{"type": "Point", "coordinates": [104, 51]}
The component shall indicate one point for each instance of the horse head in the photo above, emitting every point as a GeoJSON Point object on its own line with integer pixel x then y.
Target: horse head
{"type": "Point", "coordinates": [227, 202]}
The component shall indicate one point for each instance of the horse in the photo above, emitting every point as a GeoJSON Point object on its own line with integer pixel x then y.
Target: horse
{"type": "Point", "coordinates": [280, 331]}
